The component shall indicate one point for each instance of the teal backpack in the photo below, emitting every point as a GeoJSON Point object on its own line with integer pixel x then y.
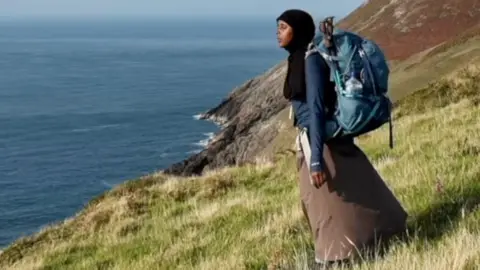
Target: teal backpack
{"type": "Point", "coordinates": [360, 72]}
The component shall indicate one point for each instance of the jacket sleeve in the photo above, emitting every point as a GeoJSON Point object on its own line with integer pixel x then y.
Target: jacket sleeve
{"type": "Point", "coordinates": [315, 70]}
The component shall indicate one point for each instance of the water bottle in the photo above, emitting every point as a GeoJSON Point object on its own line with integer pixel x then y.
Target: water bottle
{"type": "Point", "coordinates": [353, 85]}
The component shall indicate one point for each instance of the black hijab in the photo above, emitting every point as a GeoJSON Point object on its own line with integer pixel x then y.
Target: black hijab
{"type": "Point", "coordinates": [303, 32]}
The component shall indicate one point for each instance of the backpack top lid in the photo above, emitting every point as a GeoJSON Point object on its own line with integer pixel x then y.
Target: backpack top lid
{"type": "Point", "coordinates": [343, 44]}
{"type": "Point", "coordinates": [346, 44]}
{"type": "Point", "coordinates": [328, 34]}
{"type": "Point", "coordinates": [339, 36]}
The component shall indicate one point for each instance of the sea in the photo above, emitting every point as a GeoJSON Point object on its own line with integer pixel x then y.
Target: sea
{"type": "Point", "coordinates": [86, 104]}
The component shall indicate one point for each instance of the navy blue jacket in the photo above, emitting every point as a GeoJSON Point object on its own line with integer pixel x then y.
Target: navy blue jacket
{"type": "Point", "coordinates": [312, 113]}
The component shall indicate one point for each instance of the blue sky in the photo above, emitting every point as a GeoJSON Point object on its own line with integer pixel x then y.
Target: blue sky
{"type": "Point", "coordinates": [171, 7]}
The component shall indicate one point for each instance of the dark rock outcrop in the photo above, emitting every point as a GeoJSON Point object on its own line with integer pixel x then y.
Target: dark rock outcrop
{"type": "Point", "coordinates": [248, 124]}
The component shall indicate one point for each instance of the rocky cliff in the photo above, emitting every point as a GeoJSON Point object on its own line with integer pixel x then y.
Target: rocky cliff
{"type": "Point", "coordinates": [248, 124]}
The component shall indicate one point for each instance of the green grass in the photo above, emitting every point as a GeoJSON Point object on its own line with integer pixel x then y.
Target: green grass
{"type": "Point", "coordinates": [425, 68]}
{"type": "Point", "coordinates": [250, 218]}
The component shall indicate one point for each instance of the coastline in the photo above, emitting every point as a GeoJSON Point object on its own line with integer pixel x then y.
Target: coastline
{"type": "Point", "coordinates": [246, 118]}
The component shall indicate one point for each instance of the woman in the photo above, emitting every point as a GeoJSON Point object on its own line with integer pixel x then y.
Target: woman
{"type": "Point", "coordinates": [347, 204]}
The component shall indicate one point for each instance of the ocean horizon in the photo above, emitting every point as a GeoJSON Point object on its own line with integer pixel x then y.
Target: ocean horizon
{"type": "Point", "coordinates": [88, 104]}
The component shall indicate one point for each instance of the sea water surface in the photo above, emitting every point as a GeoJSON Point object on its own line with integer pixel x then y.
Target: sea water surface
{"type": "Point", "coordinates": [88, 104]}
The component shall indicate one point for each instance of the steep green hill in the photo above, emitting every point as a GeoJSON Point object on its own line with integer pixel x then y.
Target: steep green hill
{"type": "Point", "coordinates": [249, 217]}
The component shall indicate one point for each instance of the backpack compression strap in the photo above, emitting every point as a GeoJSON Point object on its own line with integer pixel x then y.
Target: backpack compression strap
{"type": "Point", "coordinates": [390, 127]}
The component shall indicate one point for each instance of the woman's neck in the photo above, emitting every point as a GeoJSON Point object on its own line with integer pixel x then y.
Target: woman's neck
{"type": "Point", "coordinates": [296, 52]}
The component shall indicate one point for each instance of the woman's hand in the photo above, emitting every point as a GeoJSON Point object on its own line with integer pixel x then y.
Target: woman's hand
{"type": "Point", "coordinates": [318, 179]}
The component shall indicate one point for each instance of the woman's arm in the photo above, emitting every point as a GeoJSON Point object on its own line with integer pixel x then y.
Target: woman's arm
{"type": "Point", "coordinates": [315, 70]}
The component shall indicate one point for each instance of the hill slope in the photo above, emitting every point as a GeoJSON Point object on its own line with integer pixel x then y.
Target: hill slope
{"type": "Point", "coordinates": [407, 27]}
{"type": "Point", "coordinates": [249, 217]}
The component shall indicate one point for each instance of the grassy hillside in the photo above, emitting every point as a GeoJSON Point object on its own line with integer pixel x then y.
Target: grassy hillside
{"type": "Point", "coordinates": [249, 217]}
{"type": "Point", "coordinates": [427, 66]}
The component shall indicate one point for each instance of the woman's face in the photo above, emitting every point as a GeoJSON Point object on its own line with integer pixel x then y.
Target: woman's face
{"type": "Point", "coordinates": [284, 33]}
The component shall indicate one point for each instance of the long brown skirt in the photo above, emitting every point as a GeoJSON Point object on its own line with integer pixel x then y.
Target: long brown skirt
{"type": "Point", "coordinates": [354, 209]}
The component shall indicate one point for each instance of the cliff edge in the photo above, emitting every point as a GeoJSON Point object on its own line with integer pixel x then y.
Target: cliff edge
{"type": "Point", "coordinates": [247, 117]}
